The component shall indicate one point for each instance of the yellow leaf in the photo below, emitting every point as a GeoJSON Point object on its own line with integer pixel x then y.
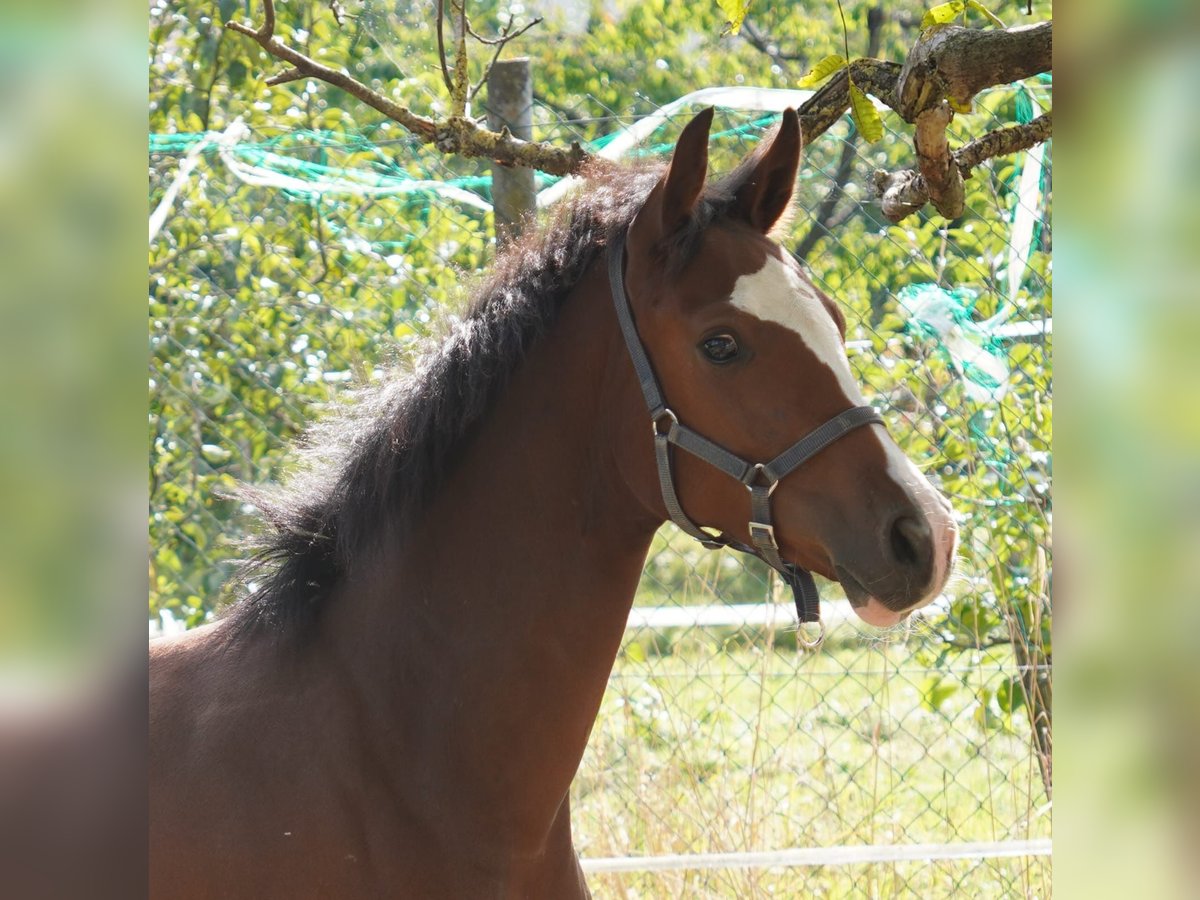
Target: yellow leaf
{"type": "Point", "coordinates": [866, 116]}
{"type": "Point", "coordinates": [822, 70]}
{"type": "Point", "coordinates": [987, 13]}
{"type": "Point", "coordinates": [735, 11]}
{"type": "Point", "coordinates": [943, 13]}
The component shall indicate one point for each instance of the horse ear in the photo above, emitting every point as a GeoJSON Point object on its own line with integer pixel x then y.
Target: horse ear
{"type": "Point", "coordinates": [685, 178]}
{"type": "Point", "coordinates": [764, 182]}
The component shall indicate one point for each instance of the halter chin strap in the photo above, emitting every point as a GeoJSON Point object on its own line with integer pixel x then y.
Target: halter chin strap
{"type": "Point", "coordinates": [760, 479]}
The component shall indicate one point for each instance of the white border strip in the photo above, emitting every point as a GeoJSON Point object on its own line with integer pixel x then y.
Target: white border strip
{"type": "Point", "coordinates": [820, 856]}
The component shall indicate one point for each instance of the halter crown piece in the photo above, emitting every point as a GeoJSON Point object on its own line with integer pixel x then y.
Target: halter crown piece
{"type": "Point", "coordinates": [760, 479]}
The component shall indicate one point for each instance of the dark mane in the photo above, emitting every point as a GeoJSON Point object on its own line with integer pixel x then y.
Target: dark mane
{"type": "Point", "coordinates": [373, 468]}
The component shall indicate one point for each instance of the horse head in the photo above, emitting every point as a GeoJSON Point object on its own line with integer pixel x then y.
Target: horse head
{"type": "Point", "coordinates": [751, 354]}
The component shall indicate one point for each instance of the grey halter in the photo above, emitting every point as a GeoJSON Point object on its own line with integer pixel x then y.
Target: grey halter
{"type": "Point", "coordinates": [760, 479]}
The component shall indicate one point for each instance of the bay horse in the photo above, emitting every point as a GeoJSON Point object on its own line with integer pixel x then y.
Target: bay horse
{"type": "Point", "coordinates": [400, 702]}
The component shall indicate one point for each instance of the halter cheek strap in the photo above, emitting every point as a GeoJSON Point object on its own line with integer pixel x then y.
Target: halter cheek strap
{"type": "Point", "coordinates": [760, 479]}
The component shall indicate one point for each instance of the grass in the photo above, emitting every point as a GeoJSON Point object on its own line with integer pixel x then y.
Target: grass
{"type": "Point", "coordinates": [734, 744]}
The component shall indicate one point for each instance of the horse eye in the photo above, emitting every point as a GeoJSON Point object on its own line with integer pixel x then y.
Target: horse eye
{"type": "Point", "coordinates": [720, 348]}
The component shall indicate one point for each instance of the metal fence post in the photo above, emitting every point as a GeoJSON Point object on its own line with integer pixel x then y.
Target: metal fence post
{"type": "Point", "coordinates": [510, 105]}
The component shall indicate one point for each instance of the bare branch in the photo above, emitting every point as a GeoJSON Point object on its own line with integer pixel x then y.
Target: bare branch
{"type": "Point", "coordinates": [948, 71]}
{"type": "Point", "coordinates": [955, 63]}
{"type": "Point", "coordinates": [458, 96]}
{"type": "Point", "coordinates": [305, 66]}
{"type": "Point", "coordinates": [499, 43]}
{"type": "Point", "coordinates": [455, 134]}
{"type": "Point", "coordinates": [946, 68]}
{"type": "Point", "coordinates": [935, 162]}
{"type": "Point", "coordinates": [441, 19]}
{"type": "Point", "coordinates": [285, 76]}
{"type": "Point", "coordinates": [506, 35]}
{"type": "Point", "coordinates": [268, 26]}
{"type": "Point", "coordinates": [1003, 141]}
{"type": "Point", "coordinates": [905, 192]}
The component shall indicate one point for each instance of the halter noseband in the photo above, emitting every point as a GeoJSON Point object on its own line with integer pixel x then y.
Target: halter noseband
{"type": "Point", "coordinates": [760, 479]}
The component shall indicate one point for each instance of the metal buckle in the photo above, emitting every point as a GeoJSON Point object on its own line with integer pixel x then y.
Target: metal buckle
{"type": "Point", "coordinates": [809, 637]}
{"type": "Point", "coordinates": [655, 421]}
{"type": "Point", "coordinates": [760, 471]}
{"type": "Point", "coordinates": [768, 531]}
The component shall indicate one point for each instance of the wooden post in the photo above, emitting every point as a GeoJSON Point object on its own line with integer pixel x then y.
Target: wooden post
{"type": "Point", "coordinates": [510, 105]}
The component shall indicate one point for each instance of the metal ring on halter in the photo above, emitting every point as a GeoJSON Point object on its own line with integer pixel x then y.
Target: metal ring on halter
{"type": "Point", "coordinates": [803, 629]}
{"type": "Point", "coordinates": [665, 414]}
{"type": "Point", "coordinates": [760, 471]}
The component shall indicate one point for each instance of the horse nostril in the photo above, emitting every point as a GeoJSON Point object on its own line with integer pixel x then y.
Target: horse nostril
{"type": "Point", "coordinates": [911, 541]}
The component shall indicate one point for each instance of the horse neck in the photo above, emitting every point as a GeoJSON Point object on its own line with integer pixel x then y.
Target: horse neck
{"type": "Point", "coordinates": [485, 644]}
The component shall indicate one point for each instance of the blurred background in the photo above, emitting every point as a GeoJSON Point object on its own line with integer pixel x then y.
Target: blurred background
{"type": "Point", "coordinates": [71, 353]}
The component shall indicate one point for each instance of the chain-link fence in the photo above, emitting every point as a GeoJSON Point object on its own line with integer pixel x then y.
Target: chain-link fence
{"type": "Point", "coordinates": [287, 263]}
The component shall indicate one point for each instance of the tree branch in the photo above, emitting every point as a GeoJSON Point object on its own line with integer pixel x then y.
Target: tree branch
{"type": "Point", "coordinates": [830, 103]}
{"type": "Point", "coordinates": [948, 63]}
{"type": "Point", "coordinates": [499, 42]}
{"type": "Point", "coordinates": [441, 41]}
{"type": "Point", "coordinates": [935, 161]}
{"type": "Point", "coordinates": [826, 106]}
{"type": "Point", "coordinates": [504, 36]}
{"type": "Point", "coordinates": [903, 193]}
{"type": "Point", "coordinates": [1003, 141]}
{"type": "Point", "coordinates": [955, 63]}
{"type": "Point", "coordinates": [458, 93]}
{"type": "Point", "coordinates": [946, 68]}
{"type": "Point", "coordinates": [454, 134]}
{"type": "Point", "coordinates": [304, 66]}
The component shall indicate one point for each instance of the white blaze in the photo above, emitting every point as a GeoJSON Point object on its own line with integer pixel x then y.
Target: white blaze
{"type": "Point", "coordinates": [778, 293]}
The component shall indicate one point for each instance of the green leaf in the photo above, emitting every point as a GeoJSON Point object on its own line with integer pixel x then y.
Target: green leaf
{"type": "Point", "coordinates": [943, 13]}
{"type": "Point", "coordinates": [936, 690]}
{"type": "Point", "coordinates": [866, 116]}
{"type": "Point", "coordinates": [1009, 697]}
{"type": "Point", "coordinates": [735, 12]}
{"type": "Point", "coordinates": [823, 70]}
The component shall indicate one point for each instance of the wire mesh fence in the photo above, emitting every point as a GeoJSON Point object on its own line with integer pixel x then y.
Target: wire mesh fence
{"type": "Point", "coordinates": [289, 264]}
